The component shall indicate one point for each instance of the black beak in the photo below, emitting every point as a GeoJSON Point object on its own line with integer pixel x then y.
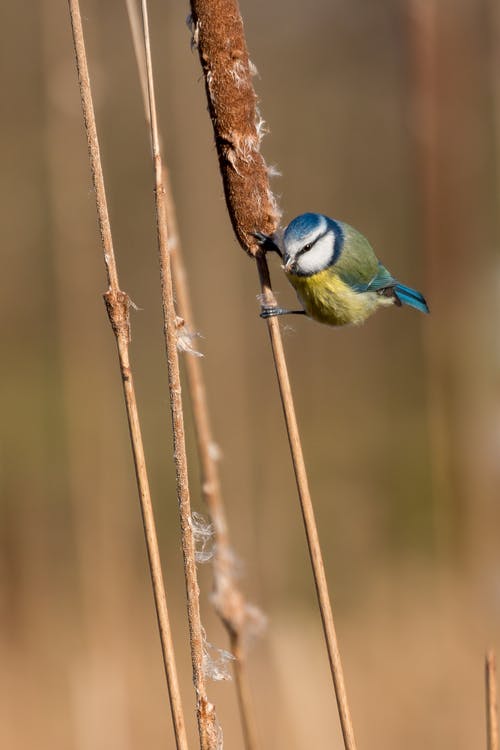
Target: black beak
{"type": "Point", "coordinates": [267, 242]}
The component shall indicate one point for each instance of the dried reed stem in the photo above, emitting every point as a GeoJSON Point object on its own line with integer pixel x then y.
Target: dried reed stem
{"type": "Point", "coordinates": [491, 702]}
{"type": "Point", "coordinates": [218, 33]}
{"type": "Point", "coordinates": [229, 603]}
{"type": "Point", "coordinates": [207, 722]}
{"type": "Point", "coordinates": [102, 559]}
{"type": "Point", "coordinates": [117, 305]}
{"type": "Point", "coordinates": [307, 511]}
{"type": "Point", "coordinates": [237, 616]}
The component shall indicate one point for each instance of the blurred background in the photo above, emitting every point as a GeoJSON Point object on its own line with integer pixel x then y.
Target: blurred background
{"type": "Point", "coordinates": [385, 115]}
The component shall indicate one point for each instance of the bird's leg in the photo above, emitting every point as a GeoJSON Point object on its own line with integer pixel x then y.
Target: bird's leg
{"type": "Point", "coordinates": [271, 312]}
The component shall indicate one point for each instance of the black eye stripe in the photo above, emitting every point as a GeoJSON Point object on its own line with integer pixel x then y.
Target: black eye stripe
{"type": "Point", "coordinates": [311, 244]}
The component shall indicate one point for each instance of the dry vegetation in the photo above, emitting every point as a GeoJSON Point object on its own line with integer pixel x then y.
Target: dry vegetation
{"type": "Point", "coordinates": [399, 427]}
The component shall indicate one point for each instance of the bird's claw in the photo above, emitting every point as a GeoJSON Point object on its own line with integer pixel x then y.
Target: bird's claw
{"type": "Point", "coordinates": [266, 243]}
{"type": "Point", "coordinates": [268, 312]}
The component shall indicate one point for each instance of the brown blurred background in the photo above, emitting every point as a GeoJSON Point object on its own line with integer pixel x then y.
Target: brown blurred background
{"type": "Point", "coordinates": [384, 117]}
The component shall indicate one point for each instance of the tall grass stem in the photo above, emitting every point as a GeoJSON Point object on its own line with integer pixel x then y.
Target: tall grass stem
{"type": "Point", "coordinates": [117, 305]}
{"type": "Point", "coordinates": [491, 702]}
{"type": "Point", "coordinates": [218, 33]}
{"type": "Point", "coordinates": [227, 598]}
{"type": "Point", "coordinates": [207, 721]}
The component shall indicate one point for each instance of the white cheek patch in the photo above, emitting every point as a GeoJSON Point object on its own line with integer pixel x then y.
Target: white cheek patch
{"type": "Point", "coordinates": [292, 243]}
{"type": "Point", "coordinates": [319, 256]}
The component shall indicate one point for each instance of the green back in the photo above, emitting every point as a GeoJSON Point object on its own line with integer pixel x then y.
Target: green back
{"type": "Point", "coordinates": [358, 265]}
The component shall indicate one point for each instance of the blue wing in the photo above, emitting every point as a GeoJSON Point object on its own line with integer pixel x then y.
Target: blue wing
{"type": "Point", "coordinates": [387, 285]}
{"type": "Point", "coordinates": [381, 280]}
{"type": "Point", "coordinates": [359, 267]}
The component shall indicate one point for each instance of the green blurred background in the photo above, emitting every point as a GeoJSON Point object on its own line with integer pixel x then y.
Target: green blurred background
{"type": "Point", "coordinates": [399, 417]}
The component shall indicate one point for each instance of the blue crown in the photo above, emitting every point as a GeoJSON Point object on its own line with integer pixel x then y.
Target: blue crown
{"type": "Point", "coordinates": [304, 224]}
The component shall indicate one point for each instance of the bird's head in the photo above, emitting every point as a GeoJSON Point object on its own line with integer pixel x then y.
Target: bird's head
{"type": "Point", "coordinates": [311, 243]}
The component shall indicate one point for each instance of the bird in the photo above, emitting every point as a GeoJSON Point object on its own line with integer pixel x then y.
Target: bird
{"type": "Point", "coordinates": [335, 272]}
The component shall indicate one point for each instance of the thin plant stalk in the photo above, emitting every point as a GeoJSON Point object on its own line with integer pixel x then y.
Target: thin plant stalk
{"type": "Point", "coordinates": [491, 702]}
{"type": "Point", "coordinates": [218, 32]}
{"type": "Point", "coordinates": [229, 602]}
{"type": "Point", "coordinates": [208, 728]}
{"type": "Point", "coordinates": [100, 557]}
{"type": "Point", "coordinates": [227, 598]}
{"type": "Point", "coordinates": [307, 510]}
{"type": "Point", "coordinates": [117, 305]}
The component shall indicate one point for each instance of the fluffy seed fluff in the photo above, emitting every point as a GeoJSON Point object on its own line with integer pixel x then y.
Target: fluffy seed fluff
{"type": "Point", "coordinates": [195, 31]}
{"type": "Point", "coordinates": [216, 662]}
{"type": "Point", "coordinates": [252, 68]}
{"type": "Point", "coordinates": [273, 171]}
{"type": "Point", "coordinates": [239, 73]}
{"type": "Point", "coordinates": [185, 339]}
{"type": "Point", "coordinates": [203, 533]}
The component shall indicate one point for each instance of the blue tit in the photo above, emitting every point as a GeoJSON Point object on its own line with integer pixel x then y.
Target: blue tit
{"type": "Point", "coordinates": [335, 272]}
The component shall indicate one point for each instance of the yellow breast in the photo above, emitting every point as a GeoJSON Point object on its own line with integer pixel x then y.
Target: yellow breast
{"type": "Point", "coordinates": [328, 299]}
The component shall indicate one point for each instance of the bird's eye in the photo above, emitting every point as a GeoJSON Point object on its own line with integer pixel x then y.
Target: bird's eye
{"type": "Point", "coordinates": [304, 249]}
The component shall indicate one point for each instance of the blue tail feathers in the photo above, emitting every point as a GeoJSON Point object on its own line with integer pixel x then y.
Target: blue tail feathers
{"type": "Point", "coordinates": [411, 297]}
